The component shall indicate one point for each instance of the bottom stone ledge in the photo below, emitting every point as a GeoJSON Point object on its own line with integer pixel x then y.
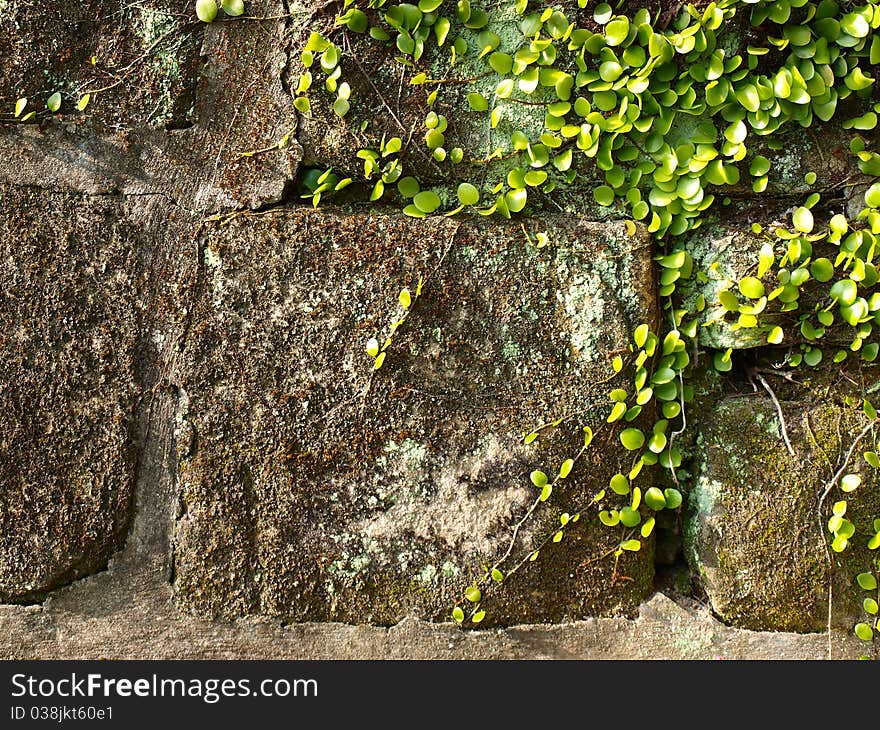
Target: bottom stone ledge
{"type": "Point", "coordinates": [663, 629]}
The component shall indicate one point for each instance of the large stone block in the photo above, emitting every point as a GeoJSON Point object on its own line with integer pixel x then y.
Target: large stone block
{"type": "Point", "coordinates": [70, 321]}
{"type": "Point", "coordinates": [754, 533]}
{"type": "Point", "coordinates": [312, 487]}
{"type": "Point", "coordinates": [192, 112]}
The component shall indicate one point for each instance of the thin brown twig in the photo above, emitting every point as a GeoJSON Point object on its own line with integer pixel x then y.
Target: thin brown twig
{"type": "Point", "coordinates": [763, 381]}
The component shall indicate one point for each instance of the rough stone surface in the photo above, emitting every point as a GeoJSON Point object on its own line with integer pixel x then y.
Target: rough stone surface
{"type": "Point", "coordinates": [753, 530]}
{"type": "Point", "coordinates": [312, 487]}
{"type": "Point", "coordinates": [69, 344]}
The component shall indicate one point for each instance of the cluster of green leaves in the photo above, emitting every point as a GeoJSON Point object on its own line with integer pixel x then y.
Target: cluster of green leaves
{"type": "Point", "coordinates": [867, 629]}
{"type": "Point", "coordinates": [665, 113]}
{"type": "Point", "coordinates": [327, 54]}
{"type": "Point", "coordinates": [206, 10]}
{"type": "Point", "coordinates": [405, 299]}
{"type": "Point", "coordinates": [53, 105]}
{"type": "Point", "coordinates": [832, 261]}
{"type": "Point", "coordinates": [657, 364]}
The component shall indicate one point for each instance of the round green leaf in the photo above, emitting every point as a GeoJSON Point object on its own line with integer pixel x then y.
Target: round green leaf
{"type": "Point", "coordinates": [620, 484]}
{"type": "Point", "coordinates": [408, 187]}
{"type": "Point", "coordinates": [803, 220]}
{"type": "Point", "coordinates": [654, 499]}
{"type": "Point", "coordinates": [539, 478]}
{"type": "Point", "coordinates": [603, 195]}
{"type": "Point", "coordinates": [632, 438]}
{"type": "Point", "coordinates": [234, 8]}
{"type": "Point", "coordinates": [427, 201]}
{"type": "Point", "coordinates": [867, 581]}
{"type": "Point", "coordinates": [751, 287]}
{"type": "Point", "coordinates": [53, 103]}
{"type": "Point", "coordinates": [673, 498]}
{"type": "Point", "coordinates": [850, 482]}
{"type": "Point", "coordinates": [468, 194]}
{"type": "Point", "coordinates": [206, 10]}
{"type": "Point", "coordinates": [822, 270]}
{"type": "Point", "coordinates": [844, 292]}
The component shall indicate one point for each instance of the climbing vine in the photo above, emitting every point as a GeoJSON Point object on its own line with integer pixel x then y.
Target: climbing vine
{"type": "Point", "coordinates": [659, 117]}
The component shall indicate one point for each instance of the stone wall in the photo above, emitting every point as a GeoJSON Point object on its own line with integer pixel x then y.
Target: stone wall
{"type": "Point", "coordinates": [197, 459]}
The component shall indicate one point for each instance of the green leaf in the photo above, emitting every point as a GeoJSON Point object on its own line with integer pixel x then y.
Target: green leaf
{"type": "Point", "coordinates": [53, 103]}
{"type": "Point", "coordinates": [457, 615]}
{"type": "Point", "coordinates": [866, 581]}
{"type": "Point", "coordinates": [617, 31]}
{"type": "Point", "coordinates": [864, 632]}
{"type": "Point", "coordinates": [206, 10]}
{"type": "Point", "coordinates": [405, 298]}
{"type": "Point", "coordinates": [427, 201]}
{"type": "Point", "coordinates": [803, 220]}
{"type": "Point", "coordinates": [673, 498]}
{"type": "Point", "coordinates": [620, 484]}
{"type": "Point", "coordinates": [871, 607]}
{"type": "Point", "coordinates": [539, 478]}
{"type": "Point", "coordinates": [822, 270]}
{"type": "Point", "coordinates": [566, 467]}
{"type": "Point", "coordinates": [468, 194]}
{"type": "Point", "coordinates": [379, 360]}
{"type": "Point", "coordinates": [850, 482]}
{"type": "Point", "coordinates": [234, 8]}
{"type": "Point", "coordinates": [844, 291]}
{"type": "Point", "coordinates": [497, 575]}
{"type": "Point", "coordinates": [722, 364]}
{"type": "Point", "coordinates": [632, 546]}
{"type": "Point", "coordinates": [477, 102]}
{"type": "Point", "coordinates": [629, 517]}
{"type": "Point", "coordinates": [609, 519]}
{"type": "Point", "coordinates": [617, 412]}
{"type": "Point", "coordinates": [640, 336]}
{"type": "Point", "coordinates": [751, 287]}
{"type": "Point", "coordinates": [372, 347]}
{"type": "Point", "coordinates": [654, 499]}
{"type": "Point", "coordinates": [408, 187]}
{"type": "Point", "coordinates": [760, 166]}
{"type": "Point", "coordinates": [546, 491]}
{"type": "Point", "coordinates": [478, 616]}
{"type": "Point", "coordinates": [603, 195]}
{"type": "Point", "coordinates": [632, 438]}
{"type": "Point", "coordinates": [20, 106]}
{"type": "Point", "coordinates": [473, 594]}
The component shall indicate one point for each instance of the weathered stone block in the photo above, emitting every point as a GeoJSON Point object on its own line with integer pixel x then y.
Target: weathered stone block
{"type": "Point", "coordinates": [69, 335]}
{"type": "Point", "coordinates": [753, 530]}
{"type": "Point", "coordinates": [199, 114]}
{"type": "Point", "coordinates": [312, 487]}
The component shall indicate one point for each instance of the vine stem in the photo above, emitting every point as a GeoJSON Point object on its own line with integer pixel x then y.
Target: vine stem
{"type": "Point", "coordinates": [406, 314]}
{"type": "Point", "coordinates": [763, 381]}
{"type": "Point", "coordinates": [828, 487]}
